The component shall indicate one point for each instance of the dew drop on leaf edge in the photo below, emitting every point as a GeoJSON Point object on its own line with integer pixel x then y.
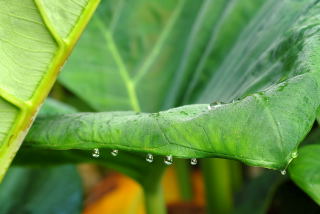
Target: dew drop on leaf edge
{"type": "Point", "coordinates": [294, 155]}
{"type": "Point", "coordinates": [214, 105]}
{"type": "Point", "coordinates": [149, 158]}
{"type": "Point", "coordinates": [95, 153]}
{"type": "Point", "coordinates": [193, 161]}
{"type": "Point", "coordinates": [283, 172]}
{"type": "Point", "coordinates": [168, 160]}
{"type": "Point", "coordinates": [114, 152]}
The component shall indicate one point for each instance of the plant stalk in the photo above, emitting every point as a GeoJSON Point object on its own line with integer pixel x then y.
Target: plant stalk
{"type": "Point", "coordinates": [184, 179]}
{"type": "Point", "coordinates": [236, 175]}
{"type": "Point", "coordinates": [154, 199]}
{"type": "Point", "coordinates": [153, 189]}
{"type": "Point", "coordinates": [218, 185]}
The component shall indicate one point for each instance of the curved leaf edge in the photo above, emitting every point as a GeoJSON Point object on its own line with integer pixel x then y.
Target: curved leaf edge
{"type": "Point", "coordinates": [194, 131]}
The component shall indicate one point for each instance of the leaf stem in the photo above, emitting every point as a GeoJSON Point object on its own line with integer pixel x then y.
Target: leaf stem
{"type": "Point", "coordinates": [236, 175]}
{"type": "Point", "coordinates": [154, 200]}
{"type": "Point", "coordinates": [218, 187]}
{"type": "Point", "coordinates": [184, 179]}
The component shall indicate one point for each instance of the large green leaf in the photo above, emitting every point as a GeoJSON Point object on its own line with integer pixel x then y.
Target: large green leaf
{"type": "Point", "coordinates": [148, 66]}
{"type": "Point", "coordinates": [145, 169]}
{"type": "Point", "coordinates": [196, 131]}
{"type": "Point", "coordinates": [305, 171]}
{"type": "Point", "coordinates": [36, 38]}
{"type": "Point", "coordinates": [129, 163]}
{"type": "Point", "coordinates": [276, 57]}
{"type": "Point", "coordinates": [272, 48]}
{"type": "Point", "coordinates": [257, 195]}
{"type": "Point", "coordinates": [53, 190]}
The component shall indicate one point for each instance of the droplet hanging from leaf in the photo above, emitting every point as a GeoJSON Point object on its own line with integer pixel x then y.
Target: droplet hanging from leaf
{"type": "Point", "coordinates": [168, 160]}
{"type": "Point", "coordinates": [149, 158]}
{"type": "Point", "coordinates": [96, 153]}
{"type": "Point", "coordinates": [114, 152]}
{"type": "Point", "coordinates": [193, 161]}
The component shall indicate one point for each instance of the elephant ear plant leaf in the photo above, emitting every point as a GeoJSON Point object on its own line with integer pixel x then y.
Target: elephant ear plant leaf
{"type": "Point", "coordinates": [132, 164]}
{"type": "Point", "coordinates": [36, 38]}
{"type": "Point", "coordinates": [137, 68]}
{"type": "Point", "coordinates": [277, 76]}
{"type": "Point", "coordinates": [268, 75]}
{"type": "Point", "coordinates": [155, 66]}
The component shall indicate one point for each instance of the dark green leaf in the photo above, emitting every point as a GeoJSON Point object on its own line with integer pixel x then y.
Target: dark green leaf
{"type": "Point", "coordinates": [273, 53]}
{"type": "Point", "coordinates": [257, 196]}
{"type": "Point", "coordinates": [305, 171]}
{"type": "Point", "coordinates": [258, 130]}
{"type": "Point", "coordinates": [55, 190]}
{"type": "Point", "coordinates": [129, 163]}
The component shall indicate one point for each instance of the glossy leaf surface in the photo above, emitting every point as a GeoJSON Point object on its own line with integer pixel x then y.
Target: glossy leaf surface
{"type": "Point", "coordinates": [147, 67]}
{"type": "Point", "coordinates": [275, 59]}
{"type": "Point", "coordinates": [132, 164]}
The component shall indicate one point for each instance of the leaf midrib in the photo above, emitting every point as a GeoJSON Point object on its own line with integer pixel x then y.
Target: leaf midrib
{"type": "Point", "coordinates": [120, 63]}
{"type": "Point", "coordinates": [130, 82]}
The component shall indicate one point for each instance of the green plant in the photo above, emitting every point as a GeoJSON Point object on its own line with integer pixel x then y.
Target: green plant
{"type": "Point", "coordinates": [36, 38]}
{"type": "Point", "coordinates": [257, 62]}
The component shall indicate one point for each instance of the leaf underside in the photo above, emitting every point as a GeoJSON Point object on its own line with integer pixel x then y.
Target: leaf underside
{"type": "Point", "coordinates": [129, 163]}
{"type": "Point", "coordinates": [36, 38]}
{"type": "Point", "coordinates": [273, 66]}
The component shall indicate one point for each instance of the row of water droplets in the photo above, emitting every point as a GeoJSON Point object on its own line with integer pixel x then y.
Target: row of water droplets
{"type": "Point", "coordinates": [168, 160]}
{"type": "Point", "coordinates": [96, 153]}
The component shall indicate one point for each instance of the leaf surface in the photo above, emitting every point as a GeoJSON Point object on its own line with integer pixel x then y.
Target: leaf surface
{"type": "Point", "coordinates": [36, 38]}
{"type": "Point", "coordinates": [194, 130]}
{"type": "Point", "coordinates": [129, 163]}
{"type": "Point", "coordinates": [147, 67]}
{"type": "Point", "coordinates": [281, 67]}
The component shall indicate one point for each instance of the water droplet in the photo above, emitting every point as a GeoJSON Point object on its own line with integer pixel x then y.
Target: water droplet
{"type": "Point", "coordinates": [193, 161]}
{"type": "Point", "coordinates": [114, 152]}
{"type": "Point", "coordinates": [168, 160]}
{"type": "Point", "coordinates": [294, 155]}
{"type": "Point", "coordinates": [283, 172]}
{"type": "Point", "coordinates": [96, 153]}
{"type": "Point", "coordinates": [214, 105]}
{"type": "Point", "coordinates": [149, 158]}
